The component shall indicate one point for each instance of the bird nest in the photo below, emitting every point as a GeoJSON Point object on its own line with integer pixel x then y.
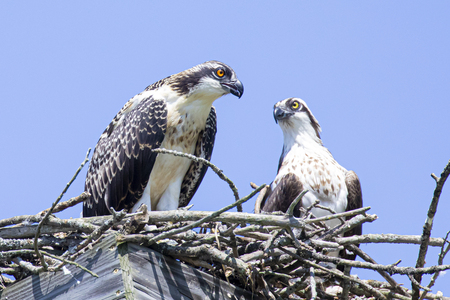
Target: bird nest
{"type": "Point", "coordinates": [274, 256]}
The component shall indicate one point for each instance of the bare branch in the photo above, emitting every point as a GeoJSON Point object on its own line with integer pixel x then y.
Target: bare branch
{"type": "Point", "coordinates": [428, 226]}
{"type": "Point", "coordinates": [442, 254]}
{"type": "Point", "coordinates": [207, 218]}
{"type": "Point", "coordinates": [387, 238]}
{"type": "Point", "coordinates": [213, 167]}
{"type": "Point", "coordinates": [290, 211]}
{"type": "Point", "coordinates": [261, 196]}
{"type": "Point", "coordinates": [38, 230]}
{"type": "Point", "coordinates": [337, 274]}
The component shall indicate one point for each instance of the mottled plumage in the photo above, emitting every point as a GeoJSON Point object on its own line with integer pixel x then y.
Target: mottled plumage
{"type": "Point", "coordinates": [174, 113]}
{"type": "Point", "coordinates": [306, 164]}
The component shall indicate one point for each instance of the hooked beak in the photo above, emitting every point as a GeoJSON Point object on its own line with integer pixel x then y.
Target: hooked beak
{"type": "Point", "coordinates": [235, 87]}
{"type": "Point", "coordinates": [280, 114]}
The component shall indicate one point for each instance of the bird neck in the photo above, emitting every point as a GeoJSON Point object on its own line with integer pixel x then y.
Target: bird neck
{"type": "Point", "coordinates": [305, 139]}
{"type": "Point", "coordinates": [192, 109]}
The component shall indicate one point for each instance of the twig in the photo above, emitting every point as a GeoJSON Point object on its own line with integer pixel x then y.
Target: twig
{"type": "Point", "coordinates": [414, 282]}
{"type": "Point", "coordinates": [9, 271]}
{"type": "Point", "coordinates": [37, 270]}
{"type": "Point", "coordinates": [387, 238]}
{"type": "Point", "coordinates": [54, 225]}
{"type": "Point", "coordinates": [269, 244]}
{"type": "Point", "coordinates": [442, 254]}
{"type": "Point", "coordinates": [285, 292]}
{"type": "Point", "coordinates": [69, 203]}
{"type": "Point", "coordinates": [206, 253]}
{"type": "Point", "coordinates": [339, 215]}
{"type": "Point", "coordinates": [297, 243]}
{"type": "Point", "coordinates": [312, 283]}
{"type": "Point", "coordinates": [392, 269]}
{"type": "Point", "coordinates": [205, 219]}
{"type": "Point", "coordinates": [14, 244]}
{"type": "Point", "coordinates": [337, 274]}
{"type": "Point", "coordinates": [329, 209]}
{"type": "Point", "coordinates": [69, 262]}
{"type": "Point", "coordinates": [38, 217]}
{"type": "Point", "coordinates": [290, 210]}
{"type": "Point", "coordinates": [117, 216]}
{"type": "Point", "coordinates": [216, 170]}
{"type": "Point", "coordinates": [428, 226]}
{"type": "Point", "coordinates": [38, 230]}
{"type": "Point", "coordinates": [385, 275]}
{"type": "Point", "coordinates": [348, 225]}
{"type": "Point", "coordinates": [309, 208]}
{"type": "Point", "coordinates": [259, 199]}
{"type": "Point", "coordinates": [195, 262]}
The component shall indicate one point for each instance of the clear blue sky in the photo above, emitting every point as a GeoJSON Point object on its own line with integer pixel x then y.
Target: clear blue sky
{"type": "Point", "coordinates": [375, 74]}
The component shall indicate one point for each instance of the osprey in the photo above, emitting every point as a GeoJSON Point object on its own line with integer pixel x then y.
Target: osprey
{"type": "Point", "coordinates": [305, 164]}
{"type": "Point", "coordinates": [174, 113]}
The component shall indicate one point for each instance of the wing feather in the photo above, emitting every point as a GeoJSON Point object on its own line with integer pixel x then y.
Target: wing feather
{"type": "Point", "coordinates": [283, 194]}
{"type": "Point", "coordinates": [122, 161]}
{"type": "Point", "coordinates": [197, 170]}
{"type": "Point", "coordinates": [354, 201]}
{"type": "Point", "coordinates": [354, 198]}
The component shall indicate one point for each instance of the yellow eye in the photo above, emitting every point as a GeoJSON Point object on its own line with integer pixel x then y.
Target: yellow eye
{"type": "Point", "coordinates": [220, 72]}
{"type": "Point", "coordinates": [295, 105]}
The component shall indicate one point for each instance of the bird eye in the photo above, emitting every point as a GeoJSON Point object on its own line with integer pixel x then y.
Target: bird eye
{"type": "Point", "coordinates": [220, 72]}
{"type": "Point", "coordinates": [295, 105]}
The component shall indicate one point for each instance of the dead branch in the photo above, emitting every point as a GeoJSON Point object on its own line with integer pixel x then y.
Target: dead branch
{"type": "Point", "coordinates": [276, 256]}
{"type": "Point", "coordinates": [38, 217]}
{"type": "Point", "coordinates": [387, 238]}
{"type": "Point", "coordinates": [216, 170]}
{"type": "Point", "coordinates": [207, 218]}
{"type": "Point", "coordinates": [428, 225]}
{"type": "Point", "coordinates": [50, 211]}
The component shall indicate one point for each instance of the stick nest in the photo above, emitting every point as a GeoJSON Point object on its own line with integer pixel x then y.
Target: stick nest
{"type": "Point", "coordinates": [275, 256]}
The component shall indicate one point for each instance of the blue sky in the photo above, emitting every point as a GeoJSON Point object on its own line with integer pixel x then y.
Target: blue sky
{"type": "Point", "coordinates": [375, 74]}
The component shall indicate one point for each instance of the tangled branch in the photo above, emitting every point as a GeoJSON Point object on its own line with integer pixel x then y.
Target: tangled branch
{"type": "Point", "coordinates": [276, 256]}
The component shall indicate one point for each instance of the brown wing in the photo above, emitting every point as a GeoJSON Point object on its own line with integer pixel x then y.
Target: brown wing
{"type": "Point", "coordinates": [122, 161]}
{"type": "Point", "coordinates": [354, 198]}
{"type": "Point", "coordinates": [197, 170]}
{"type": "Point", "coordinates": [283, 194]}
{"type": "Point", "coordinates": [354, 201]}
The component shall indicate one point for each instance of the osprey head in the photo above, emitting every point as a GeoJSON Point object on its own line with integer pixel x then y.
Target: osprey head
{"type": "Point", "coordinates": [211, 79]}
{"type": "Point", "coordinates": [294, 117]}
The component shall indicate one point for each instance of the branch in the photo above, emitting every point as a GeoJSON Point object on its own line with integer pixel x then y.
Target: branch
{"type": "Point", "coordinates": [37, 270]}
{"type": "Point", "coordinates": [205, 253]}
{"type": "Point", "coordinates": [387, 238]}
{"type": "Point", "coordinates": [428, 226]}
{"type": "Point", "coordinates": [227, 217]}
{"type": "Point", "coordinates": [205, 219]}
{"type": "Point", "coordinates": [290, 210]}
{"type": "Point", "coordinates": [384, 274]}
{"type": "Point", "coordinates": [14, 244]}
{"type": "Point", "coordinates": [117, 216]}
{"type": "Point", "coordinates": [349, 213]}
{"type": "Point", "coordinates": [260, 198]}
{"type": "Point", "coordinates": [391, 269]}
{"type": "Point", "coordinates": [337, 274]}
{"type": "Point", "coordinates": [69, 203]}
{"type": "Point", "coordinates": [348, 225]}
{"type": "Point", "coordinates": [442, 254]}
{"type": "Point", "coordinates": [38, 217]}
{"type": "Point", "coordinates": [38, 230]}
{"type": "Point", "coordinates": [216, 170]}
{"type": "Point", "coordinates": [54, 225]}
